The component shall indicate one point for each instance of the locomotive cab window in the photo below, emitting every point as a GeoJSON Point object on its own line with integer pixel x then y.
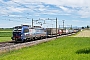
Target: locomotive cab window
{"type": "Point", "coordinates": [26, 30]}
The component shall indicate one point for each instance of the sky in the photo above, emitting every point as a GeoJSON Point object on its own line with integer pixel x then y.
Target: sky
{"type": "Point", "coordinates": [17, 12]}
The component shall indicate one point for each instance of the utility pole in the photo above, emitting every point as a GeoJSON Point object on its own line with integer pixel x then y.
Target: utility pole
{"type": "Point", "coordinates": [56, 27]}
{"type": "Point", "coordinates": [71, 26]}
{"type": "Point", "coordinates": [63, 23]}
{"type": "Point", "coordinates": [32, 23]}
{"type": "Point", "coordinates": [51, 19]}
{"type": "Point", "coordinates": [59, 26]}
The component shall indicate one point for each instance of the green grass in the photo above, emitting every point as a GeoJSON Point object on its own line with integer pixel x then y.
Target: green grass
{"type": "Point", "coordinates": [3, 39]}
{"type": "Point", "coordinates": [65, 48]}
{"type": "Point", "coordinates": [5, 34]}
{"type": "Point", "coordinates": [6, 29]}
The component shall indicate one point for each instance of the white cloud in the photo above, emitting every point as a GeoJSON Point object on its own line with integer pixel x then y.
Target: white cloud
{"type": "Point", "coordinates": [33, 4]}
{"type": "Point", "coordinates": [14, 15]}
{"type": "Point", "coordinates": [13, 9]}
{"type": "Point", "coordinates": [74, 8]}
{"type": "Point", "coordinates": [78, 21]}
{"type": "Point", "coordinates": [84, 12]}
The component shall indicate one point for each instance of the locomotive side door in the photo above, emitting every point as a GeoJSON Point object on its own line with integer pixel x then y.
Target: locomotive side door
{"type": "Point", "coordinates": [26, 33]}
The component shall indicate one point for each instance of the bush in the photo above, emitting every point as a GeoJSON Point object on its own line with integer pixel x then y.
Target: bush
{"type": "Point", "coordinates": [83, 51]}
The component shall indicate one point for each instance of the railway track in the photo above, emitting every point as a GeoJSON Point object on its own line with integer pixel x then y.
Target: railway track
{"type": "Point", "coordinates": [7, 43]}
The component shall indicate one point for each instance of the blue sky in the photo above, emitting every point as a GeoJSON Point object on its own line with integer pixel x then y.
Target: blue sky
{"type": "Point", "coordinates": [17, 12]}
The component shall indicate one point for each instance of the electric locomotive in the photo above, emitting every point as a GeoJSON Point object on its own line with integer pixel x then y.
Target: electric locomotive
{"type": "Point", "coordinates": [25, 32]}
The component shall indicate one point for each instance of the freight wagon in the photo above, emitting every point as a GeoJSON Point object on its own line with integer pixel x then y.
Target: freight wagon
{"type": "Point", "coordinates": [76, 30]}
{"type": "Point", "coordinates": [52, 32]}
{"type": "Point", "coordinates": [70, 31]}
{"type": "Point", "coordinates": [64, 31]}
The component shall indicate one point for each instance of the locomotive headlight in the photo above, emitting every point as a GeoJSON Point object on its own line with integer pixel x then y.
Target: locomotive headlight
{"type": "Point", "coordinates": [21, 35]}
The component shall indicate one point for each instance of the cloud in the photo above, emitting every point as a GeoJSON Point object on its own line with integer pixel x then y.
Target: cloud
{"type": "Point", "coordinates": [16, 9]}
{"type": "Point", "coordinates": [80, 8]}
{"type": "Point", "coordinates": [84, 12]}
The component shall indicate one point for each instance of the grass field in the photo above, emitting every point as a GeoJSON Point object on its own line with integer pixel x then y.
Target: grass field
{"type": "Point", "coordinates": [5, 35]}
{"type": "Point", "coordinates": [66, 48]}
{"type": "Point", "coordinates": [3, 39]}
{"type": "Point", "coordinates": [6, 29]}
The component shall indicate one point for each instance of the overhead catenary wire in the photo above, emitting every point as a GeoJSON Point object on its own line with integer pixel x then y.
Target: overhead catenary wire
{"type": "Point", "coordinates": [8, 17]}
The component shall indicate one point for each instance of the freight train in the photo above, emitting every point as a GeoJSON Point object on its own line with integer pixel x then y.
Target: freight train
{"type": "Point", "coordinates": [25, 32]}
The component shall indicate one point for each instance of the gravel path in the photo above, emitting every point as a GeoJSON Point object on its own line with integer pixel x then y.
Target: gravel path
{"type": "Point", "coordinates": [84, 33]}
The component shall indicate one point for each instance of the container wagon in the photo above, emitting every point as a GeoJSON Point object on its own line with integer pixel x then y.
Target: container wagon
{"type": "Point", "coordinates": [52, 32]}
{"type": "Point", "coordinates": [65, 31]}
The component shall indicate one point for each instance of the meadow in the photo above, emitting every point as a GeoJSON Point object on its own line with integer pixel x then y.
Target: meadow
{"type": "Point", "coordinates": [4, 39]}
{"type": "Point", "coordinates": [5, 34]}
{"type": "Point", "coordinates": [65, 48]}
{"type": "Point", "coordinates": [6, 29]}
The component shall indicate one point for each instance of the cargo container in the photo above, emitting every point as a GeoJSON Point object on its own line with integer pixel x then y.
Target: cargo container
{"type": "Point", "coordinates": [51, 31]}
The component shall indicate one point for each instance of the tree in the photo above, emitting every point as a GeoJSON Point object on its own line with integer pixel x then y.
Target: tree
{"type": "Point", "coordinates": [82, 27]}
{"type": "Point", "coordinates": [87, 26]}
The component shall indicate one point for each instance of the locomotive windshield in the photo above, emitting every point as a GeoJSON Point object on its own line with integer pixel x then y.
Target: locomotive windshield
{"type": "Point", "coordinates": [17, 29]}
{"type": "Point", "coordinates": [26, 30]}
